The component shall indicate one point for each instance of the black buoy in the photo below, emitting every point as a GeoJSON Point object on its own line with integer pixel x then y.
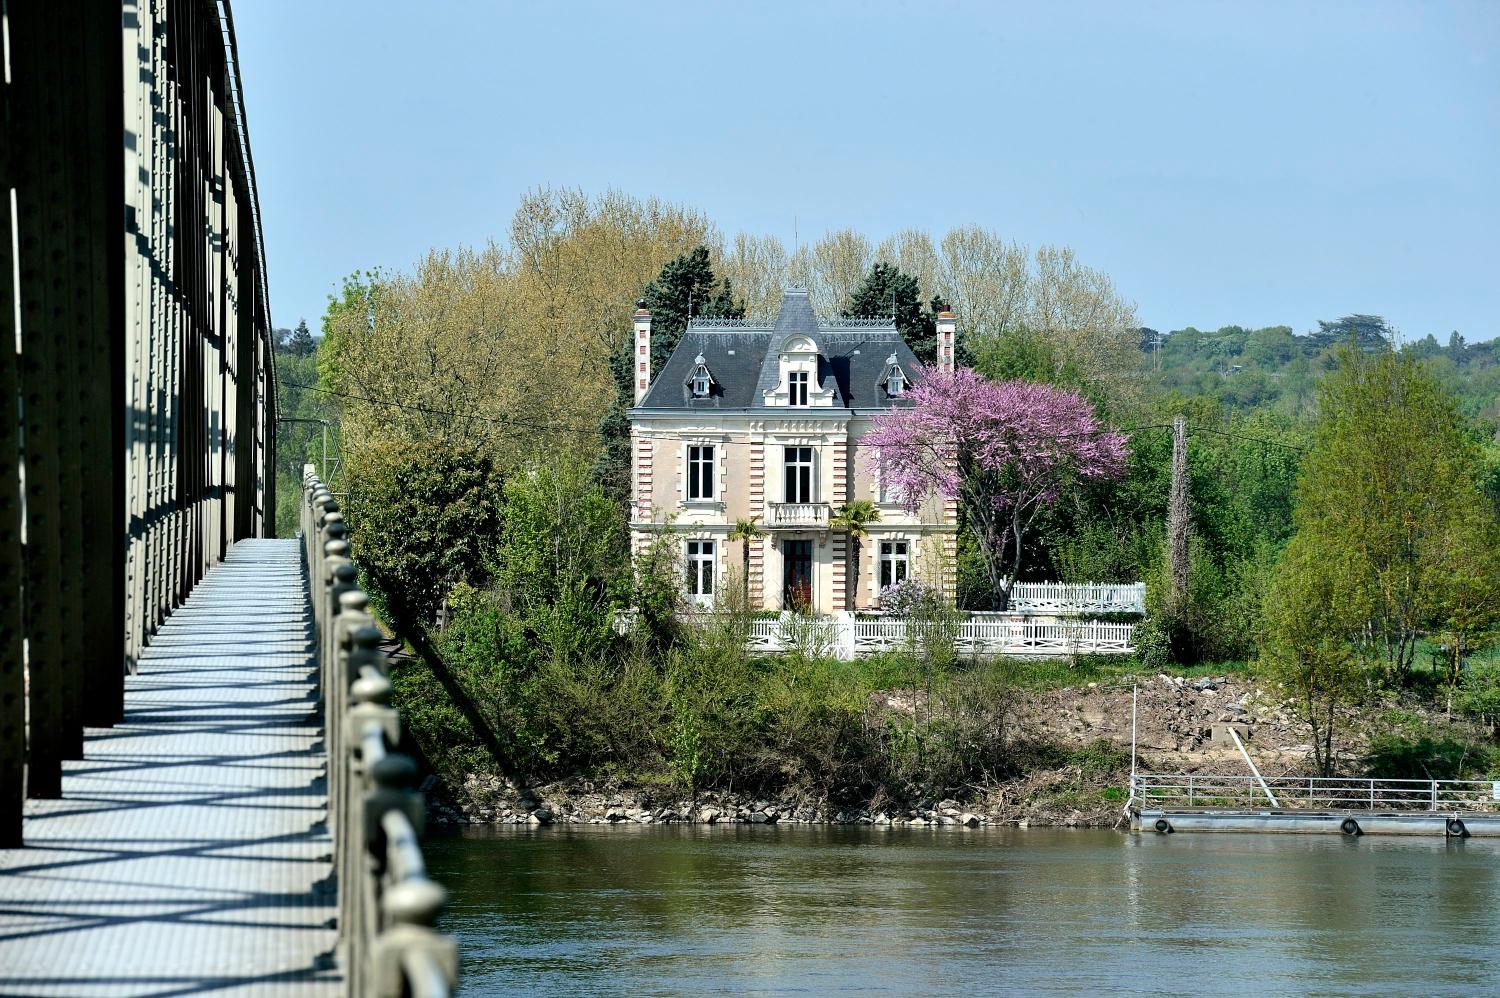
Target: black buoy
{"type": "Point", "coordinates": [1350, 827]}
{"type": "Point", "coordinates": [1456, 829]}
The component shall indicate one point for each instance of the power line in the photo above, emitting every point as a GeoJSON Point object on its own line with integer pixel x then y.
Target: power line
{"type": "Point", "coordinates": [500, 420]}
{"type": "Point", "coordinates": [1255, 440]}
{"type": "Point", "coordinates": [563, 428]}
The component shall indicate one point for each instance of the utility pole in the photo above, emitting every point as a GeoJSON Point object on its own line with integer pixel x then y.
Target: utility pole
{"type": "Point", "coordinates": [1177, 519]}
{"type": "Point", "coordinates": [324, 423]}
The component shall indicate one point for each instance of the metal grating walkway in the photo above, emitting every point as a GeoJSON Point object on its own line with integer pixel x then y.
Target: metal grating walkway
{"type": "Point", "coordinates": [189, 853]}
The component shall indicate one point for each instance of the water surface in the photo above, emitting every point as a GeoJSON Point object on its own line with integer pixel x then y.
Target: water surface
{"type": "Point", "coordinates": [800, 910]}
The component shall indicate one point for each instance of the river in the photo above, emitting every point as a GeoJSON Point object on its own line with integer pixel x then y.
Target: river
{"type": "Point", "coordinates": [778, 910]}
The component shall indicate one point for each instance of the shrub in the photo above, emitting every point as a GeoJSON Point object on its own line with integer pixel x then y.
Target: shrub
{"type": "Point", "coordinates": [1479, 697]}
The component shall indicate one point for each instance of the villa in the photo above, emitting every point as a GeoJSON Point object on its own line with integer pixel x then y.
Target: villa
{"type": "Point", "coordinates": [764, 421]}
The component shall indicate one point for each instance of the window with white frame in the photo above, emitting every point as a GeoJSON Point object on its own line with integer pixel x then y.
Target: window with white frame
{"type": "Point", "coordinates": [798, 472]}
{"type": "Point", "coordinates": [895, 562]}
{"type": "Point", "coordinates": [896, 383]}
{"type": "Point", "coordinates": [700, 571]}
{"type": "Point", "coordinates": [700, 472]}
{"type": "Point", "coordinates": [797, 385]}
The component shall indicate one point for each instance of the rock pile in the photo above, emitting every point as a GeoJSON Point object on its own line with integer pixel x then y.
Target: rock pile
{"type": "Point", "coordinates": [492, 801]}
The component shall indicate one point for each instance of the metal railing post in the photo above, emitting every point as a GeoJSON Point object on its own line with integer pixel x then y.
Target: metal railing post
{"type": "Point", "coordinates": [370, 721]}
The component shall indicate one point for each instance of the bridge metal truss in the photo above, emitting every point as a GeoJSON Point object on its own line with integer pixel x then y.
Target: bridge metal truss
{"type": "Point", "coordinates": [132, 285]}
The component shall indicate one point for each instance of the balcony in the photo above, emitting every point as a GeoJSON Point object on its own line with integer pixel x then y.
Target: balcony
{"type": "Point", "coordinates": [798, 516]}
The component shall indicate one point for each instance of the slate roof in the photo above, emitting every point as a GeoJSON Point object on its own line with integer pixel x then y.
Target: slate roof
{"type": "Point", "coordinates": [743, 359]}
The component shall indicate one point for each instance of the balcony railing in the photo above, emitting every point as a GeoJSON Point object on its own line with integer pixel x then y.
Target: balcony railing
{"type": "Point", "coordinates": [805, 515]}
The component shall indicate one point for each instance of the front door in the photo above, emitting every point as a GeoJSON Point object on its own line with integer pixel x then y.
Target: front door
{"type": "Point", "coordinates": [796, 560]}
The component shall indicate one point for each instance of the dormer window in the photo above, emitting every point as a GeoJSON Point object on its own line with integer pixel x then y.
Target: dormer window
{"type": "Point", "coordinates": [700, 382]}
{"type": "Point", "coordinates": [797, 383]}
{"type": "Point", "coordinates": [894, 379]}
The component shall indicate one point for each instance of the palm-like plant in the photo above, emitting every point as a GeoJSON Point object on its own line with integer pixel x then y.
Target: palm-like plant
{"type": "Point", "coordinates": [855, 518]}
{"type": "Point", "coordinates": [746, 531]}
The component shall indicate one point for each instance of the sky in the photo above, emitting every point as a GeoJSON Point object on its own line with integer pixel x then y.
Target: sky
{"type": "Point", "coordinates": [1225, 163]}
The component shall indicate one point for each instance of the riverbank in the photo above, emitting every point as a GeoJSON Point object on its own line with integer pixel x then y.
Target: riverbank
{"type": "Point", "coordinates": [1070, 762]}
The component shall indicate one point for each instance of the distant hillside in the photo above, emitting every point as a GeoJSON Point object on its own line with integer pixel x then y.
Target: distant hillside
{"type": "Point", "coordinates": [1276, 368]}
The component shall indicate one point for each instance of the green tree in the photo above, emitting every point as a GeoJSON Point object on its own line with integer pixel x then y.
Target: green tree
{"type": "Point", "coordinates": [1316, 610]}
{"type": "Point", "coordinates": [300, 343]}
{"type": "Point", "coordinates": [1370, 333]}
{"type": "Point", "coordinates": [421, 521]}
{"type": "Point", "coordinates": [686, 286]}
{"type": "Point", "coordinates": [854, 518]}
{"type": "Point", "coordinates": [1388, 486]}
{"type": "Point", "coordinates": [1467, 598]}
{"type": "Point", "coordinates": [303, 415]}
{"type": "Point", "coordinates": [887, 291]}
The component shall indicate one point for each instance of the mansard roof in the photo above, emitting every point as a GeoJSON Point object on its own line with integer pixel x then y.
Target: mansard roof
{"type": "Point", "coordinates": [744, 356]}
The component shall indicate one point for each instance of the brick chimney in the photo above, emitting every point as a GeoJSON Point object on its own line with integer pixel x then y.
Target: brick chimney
{"type": "Point", "coordinates": [947, 332]}
{"type": "Point", "coordinates": [642, 350]}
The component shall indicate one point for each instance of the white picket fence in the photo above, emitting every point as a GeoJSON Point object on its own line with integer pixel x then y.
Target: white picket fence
{"type": "Point", "coordinates": [1087, 597]}
{"type": "Point", "coordinates": [1038, 625]}
{"type": "Point", "coordinates": [848, 635]}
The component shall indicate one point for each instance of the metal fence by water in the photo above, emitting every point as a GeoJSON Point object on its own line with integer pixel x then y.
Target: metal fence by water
{"type": "Point", "coordinates": [1207, 791]}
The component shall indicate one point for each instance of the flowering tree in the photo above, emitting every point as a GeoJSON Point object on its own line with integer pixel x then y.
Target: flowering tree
{"type": "Point", "coordinates": [1005, 450]}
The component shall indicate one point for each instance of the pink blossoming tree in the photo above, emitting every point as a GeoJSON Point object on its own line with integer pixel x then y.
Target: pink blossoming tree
{"type": "Point", "coordinates": [1005, 450]}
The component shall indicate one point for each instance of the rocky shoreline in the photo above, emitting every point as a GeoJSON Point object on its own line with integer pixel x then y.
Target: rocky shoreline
{"type": "Point", "coordinates": [1183, 728]}
{"type": "Point", "coordinates": [488, 800]}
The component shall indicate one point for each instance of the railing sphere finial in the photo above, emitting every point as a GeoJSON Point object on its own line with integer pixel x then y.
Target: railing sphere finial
{"type": "Point", "coordinates": [394, 771]}
{"type": "Point", "coordinates": [414, 902]}
{"type": "Point", "coordinates": [365, 637]}
{"type": "Point", "coordinates": [371, 687]}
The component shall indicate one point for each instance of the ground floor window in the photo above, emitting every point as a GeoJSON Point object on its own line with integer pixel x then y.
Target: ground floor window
{"type": "Point", "coordinates": [700, 570]}
{"type": "Point", "coordinates": [895, 562]}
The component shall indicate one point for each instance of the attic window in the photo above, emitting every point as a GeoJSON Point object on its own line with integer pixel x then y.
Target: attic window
{"type": "Point", "coordinates": [701, 382]}
{"type": "Point", "coordinates": [797, 384]}
{"type": "Point", "coordinates": [895, 378]}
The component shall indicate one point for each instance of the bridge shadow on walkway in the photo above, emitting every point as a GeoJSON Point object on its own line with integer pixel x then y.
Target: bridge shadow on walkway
{"type": "Point", "coordinates": [189, 854]}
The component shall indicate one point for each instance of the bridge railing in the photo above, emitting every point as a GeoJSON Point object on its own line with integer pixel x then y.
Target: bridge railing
{"type": "Point", "coordinates": [387, 904]}
{"type": "Point", "coordinates": [1312, 793]}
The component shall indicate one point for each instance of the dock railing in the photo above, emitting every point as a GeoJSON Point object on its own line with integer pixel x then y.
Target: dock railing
{"type": "Point", "coordinates": [387, 905]}
{"type": "Point", "coordinates": [1200, 791]}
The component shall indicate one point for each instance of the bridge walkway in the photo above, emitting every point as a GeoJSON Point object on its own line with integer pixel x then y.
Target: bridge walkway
{"type": "Point", "coordinates": [189, 853]}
